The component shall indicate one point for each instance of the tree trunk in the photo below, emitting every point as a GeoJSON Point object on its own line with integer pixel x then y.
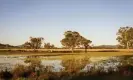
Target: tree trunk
{"type": "Point", "coordinates": [86, 49]}
{"type": "Point", "coordinates": [72, 49]}
{"type": "Point", "coordinates": [127, 45]}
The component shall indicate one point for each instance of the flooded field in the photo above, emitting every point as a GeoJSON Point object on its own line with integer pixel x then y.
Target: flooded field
{"type": "Point", "coordinates": [9, 62]}
{"type": "Point", "coordinates": [66, 67]}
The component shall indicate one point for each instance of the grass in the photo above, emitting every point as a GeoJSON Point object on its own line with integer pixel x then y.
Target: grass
{"type": "Point", "coordinates": [108, 54]}
{"type": "Point", "coordinates": [91, 54]}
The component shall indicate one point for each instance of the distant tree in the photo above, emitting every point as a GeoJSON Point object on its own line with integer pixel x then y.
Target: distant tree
{"type": "Point", "coordinates": [48, 46]}
{"type": "Point", "coordinates": [34, 43]}
{"type": "Point", "coordinates": [71, 40]}
{"type": "Point", "coordinates": [7, 46]}
{"type": "Point", "coordinates": [119, 46]}
{"type": "Point", "coordinates": [27, 45]}
{"type": "Point", "coordinates": [125, 37]}
{"type": "Point", "coordinates": [107, 47]}
{"type": "Point", "coordinates": [85, 42]}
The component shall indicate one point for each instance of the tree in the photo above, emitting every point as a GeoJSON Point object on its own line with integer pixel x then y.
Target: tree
{"type": "Point", "coordinates": [48, 46]}
{"type": "Point", "coordinates": [27, 45]}
{"type": "Point", "coordinates": [85, 42]}
{"type": "Point", "coordinates": [34, 43]}
{"type": "Point", "coordinates": [125, 37]}
{"type": "Point", "coordinates": [71, 40]}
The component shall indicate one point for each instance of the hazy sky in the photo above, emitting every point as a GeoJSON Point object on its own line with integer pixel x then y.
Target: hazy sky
{"type": "Point", "coordinates": [97, 20]}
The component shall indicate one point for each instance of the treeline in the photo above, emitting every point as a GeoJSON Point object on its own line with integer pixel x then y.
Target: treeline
{"type": "Point", "coordinates": [51, 46]}
{"type": "Point", "coordinates": [73, 39]}
{"type": "Point", "coordinates": [107, 47]}
{"type": "Point", "coordinates": [7, 46]}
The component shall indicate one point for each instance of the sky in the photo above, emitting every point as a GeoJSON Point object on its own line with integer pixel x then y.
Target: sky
{"type": "Point", "coordinates": [97, 20]}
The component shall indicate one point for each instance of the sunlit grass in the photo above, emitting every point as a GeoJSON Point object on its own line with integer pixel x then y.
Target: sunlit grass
{"type": "Point", "coordinates": [59, 55]}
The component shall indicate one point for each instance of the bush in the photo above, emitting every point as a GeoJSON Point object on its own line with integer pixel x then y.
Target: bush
{"type": "Point", "coordinates": [6, 75]}
{"type": "Point", "coordinates": [21, 71]}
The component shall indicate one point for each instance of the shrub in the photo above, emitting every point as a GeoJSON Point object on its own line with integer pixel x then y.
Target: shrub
{"type": "Point", "coordinates": [19, 71]}
{"type": "Point", "coordinates": [6, 75]}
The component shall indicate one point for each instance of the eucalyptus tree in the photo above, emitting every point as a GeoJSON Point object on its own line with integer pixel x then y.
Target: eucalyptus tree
{"type": "Point", "coordinates": [71, 40]}
{"type": "Point", "coordinates": [34, 43]}
{"type": "Point", "coordinates": [85, 42]}
{"type": "Point", "coordinates": [27, 45]}
{"type": "Point", "coordinates": [125, 37]}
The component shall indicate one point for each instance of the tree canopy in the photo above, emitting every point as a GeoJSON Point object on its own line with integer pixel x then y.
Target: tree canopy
{"type": "Point", "coordinates": [34, 43]}
{"type": "Point", "coordinates": [85, 43]}
{"type": "Point", "coordinates": [74, 39]}
{"type": "Point", "coordinates": [125, 37]}
{"type": "Point", "coordinates": [71, 40]}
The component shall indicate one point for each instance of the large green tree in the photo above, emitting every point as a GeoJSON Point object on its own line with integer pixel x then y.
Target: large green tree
{"type": "Point", "coordinates": [34, 43]}
{"type": "Point", "coordinates": [85, 43]}
{"type": "Point", "coordinates": [71, 39]}
{"type": "Point", "coordinates": [125, 37]}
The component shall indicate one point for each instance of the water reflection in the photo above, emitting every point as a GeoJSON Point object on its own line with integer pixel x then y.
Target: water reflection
{"type": "Point", "coordinates": [97, 63]}
{"type": "Point", "coordinates": [104, 66]}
